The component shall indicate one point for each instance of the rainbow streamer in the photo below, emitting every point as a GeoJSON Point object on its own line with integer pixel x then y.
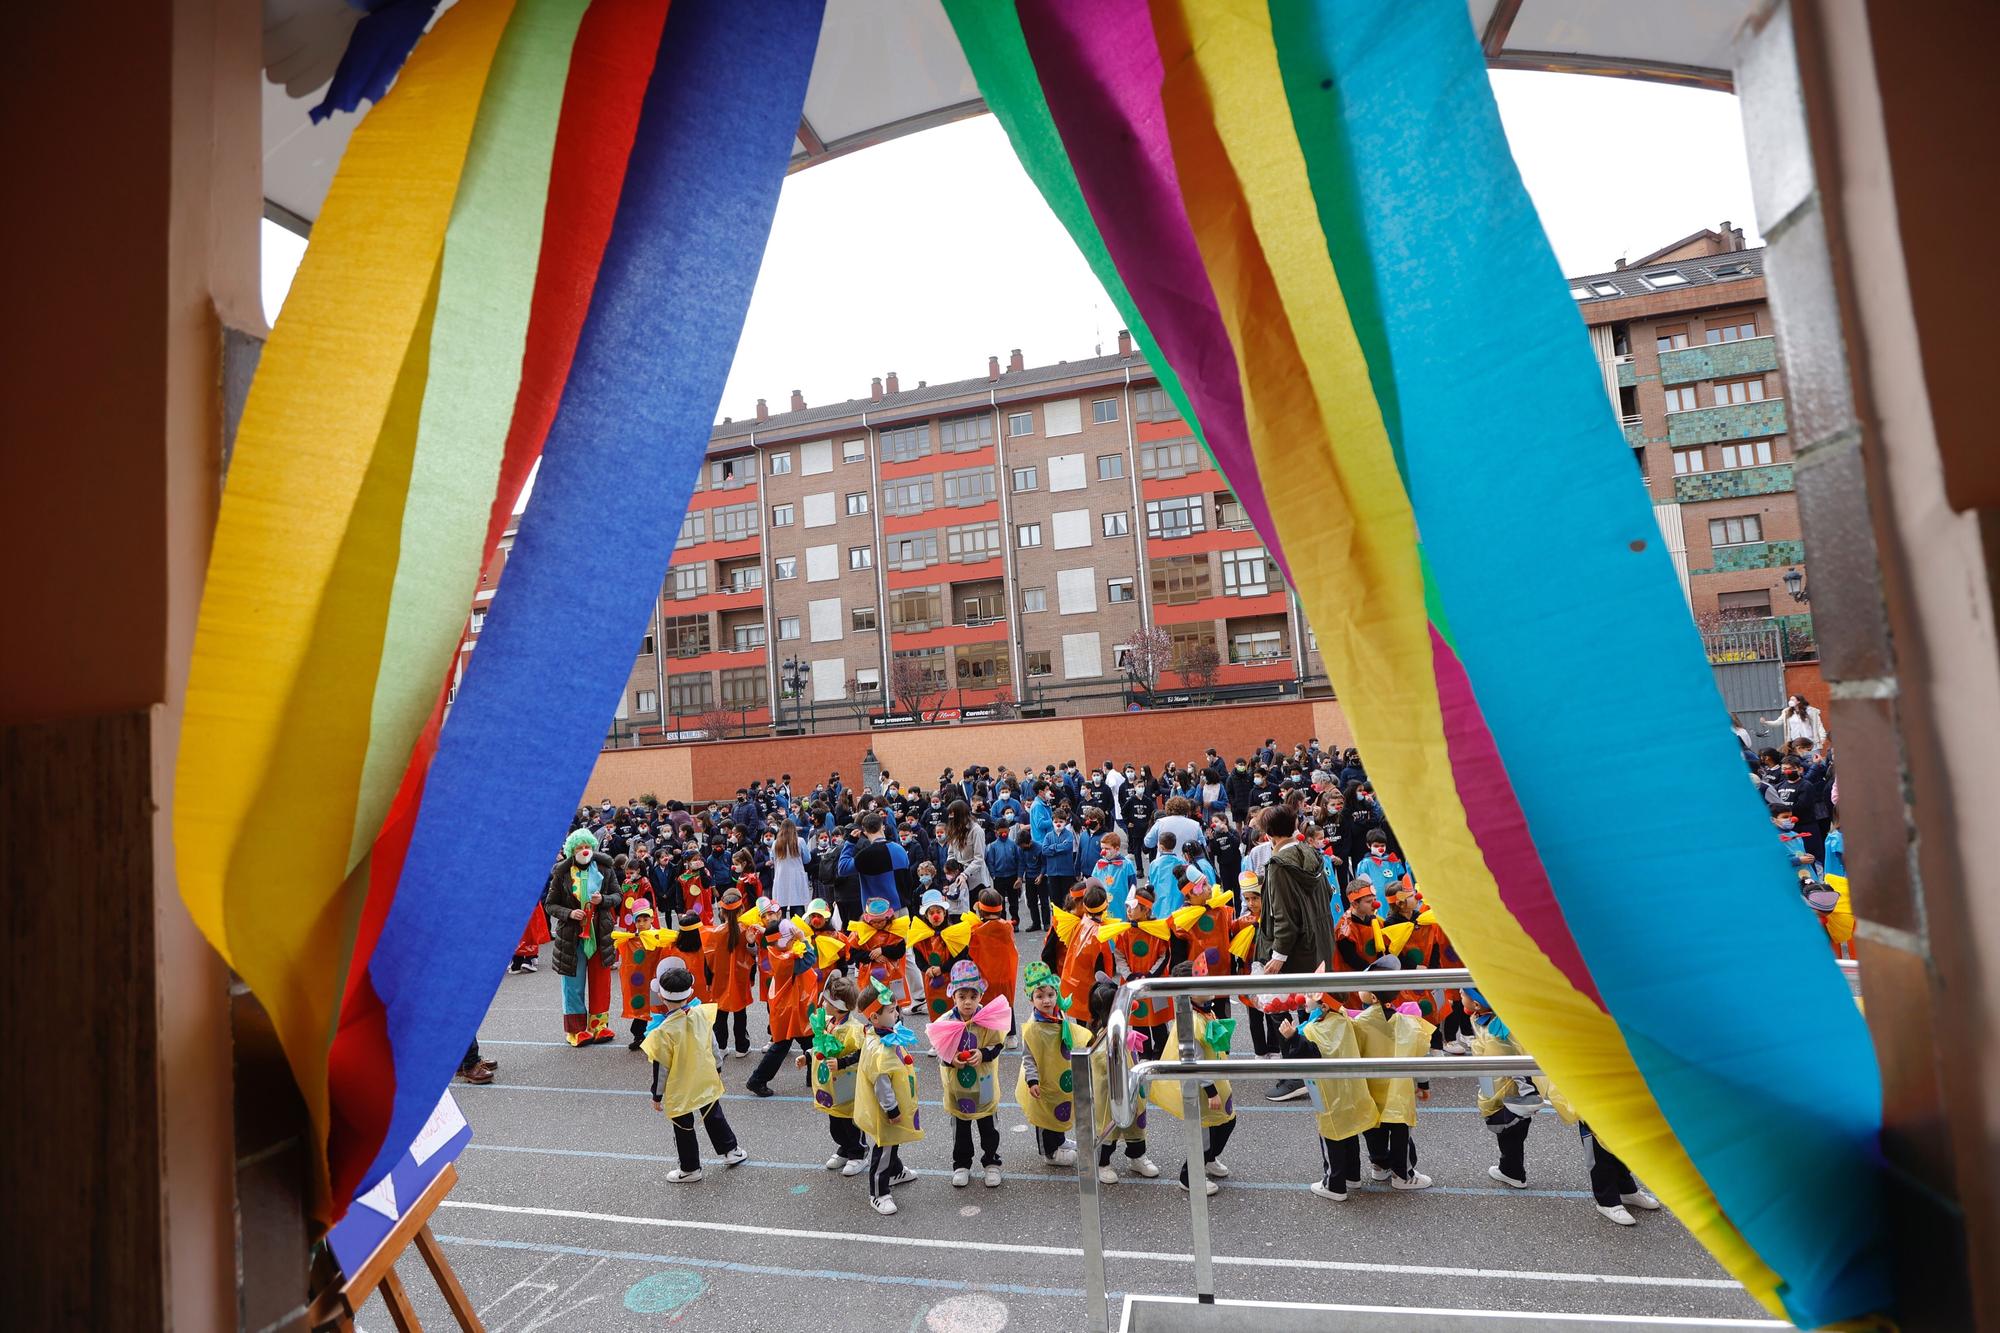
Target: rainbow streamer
{"type": "Point", "coordinates": [541, 243]}
{"type": "Point", "coordinates": [1372, 338]}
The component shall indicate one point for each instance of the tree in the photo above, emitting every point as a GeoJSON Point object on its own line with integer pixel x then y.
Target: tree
{"type": "Point", "coordinates": [719, 722]}
{"type": "Point", "coordinates": [915, 688]}
{"type": "Point", "coordinates": [1003, 706]}
{"type": "Point", "coordinates": [1148, 652]}
{"type": "Point", "coordinates": [1201, 666]}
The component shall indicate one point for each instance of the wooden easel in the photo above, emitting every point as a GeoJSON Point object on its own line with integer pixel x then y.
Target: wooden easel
{"type": "Point", "coordinates": [335, 1308]}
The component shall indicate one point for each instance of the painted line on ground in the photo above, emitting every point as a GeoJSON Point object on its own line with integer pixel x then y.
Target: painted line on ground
{"type": "Point", "coordinates": [1072, 1252]}
{"type": "Point", "coordinates": [1060, 1177]}
{"type": "Point", "coordinates": [1301, 1108]}
{"type": "Point", "coordinates": [1548, 1316]}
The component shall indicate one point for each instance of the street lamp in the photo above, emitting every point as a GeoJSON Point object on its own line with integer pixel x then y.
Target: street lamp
{"type": "Point", "coordinates": [794, 682]}
{"type": "Point", "coordinates": [1795, 584]}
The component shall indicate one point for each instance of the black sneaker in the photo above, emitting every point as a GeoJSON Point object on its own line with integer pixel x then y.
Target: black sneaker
{"type": "Point", "coordinates": [758, 1090]}
{"type": "Point", "coordinates": [514, 965]}
{"type": "Point", "coordinates": [528, 965]}
{"type": "Point", "coordinates": [1286, 1090]}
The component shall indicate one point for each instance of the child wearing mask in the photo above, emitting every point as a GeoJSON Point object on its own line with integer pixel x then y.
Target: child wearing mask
{"type": "Point", "coordinates": [1028, 867]}
{"type": "Point", "coordinates": [687, 1076]}
{"type": "Point", "coordinates": [833, 1064]}
{"type": "Point", "coordinates": [696, 898]}
{"type": "Point", "coordinates": [1044, 1087]}
{"type": "Point", "coordinates": [932, 954]}
{"type": "Point", "coordinates": [885, 1101]}
{"type": "Point", "coordinates": [968, 1042]}
{"type": "Point", "coordinates": [1218, 1103]}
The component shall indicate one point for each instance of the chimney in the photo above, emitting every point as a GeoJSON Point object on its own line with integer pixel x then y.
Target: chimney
{"type": "Point", "coordinates": [891, 384]}
{"type": "Point", "coordinates": [1124, 342]}
{"type": "Point", "coordinates": [1621, 262]}
{"type": "Point", "coordinates": [992, 367]}
{"type": "Point", "coordinates": [763, 410]}
{"type": "Point", "coordinates": [1732, 237]}
{"type": "Point", "coordinates": [1014, 362]}
{"type": "Point", "coordinates": [875, 389]}
{"type": "Point", "coordinates": [798, 401]}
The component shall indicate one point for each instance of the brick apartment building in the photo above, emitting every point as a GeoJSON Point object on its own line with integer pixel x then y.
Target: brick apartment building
{"type": "Point", "coordinates": [1005, 534]}
{"type": "Point", "coordinates": [1684, 338]}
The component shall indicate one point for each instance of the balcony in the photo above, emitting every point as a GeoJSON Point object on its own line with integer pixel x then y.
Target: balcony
{"type": "Point", "coordinates": [1628, 374]}
{"type": "Point", "coordinates": [1719, 361]}
{"type": "Point", "coordinates": [1733, 484]}
{"type": "Point", "coordinates": [981, 603]}
{"type": "Point", "coordinates": [1635, 430]}
{"type": "Point", "coordinates": [1737, 421]}
{"type": "Point", "coordinates": [1260, 640]}
{"type": "Point", "coordinates": [741, 632]}
{"type": "Point", "coordinates": [1753, 555]}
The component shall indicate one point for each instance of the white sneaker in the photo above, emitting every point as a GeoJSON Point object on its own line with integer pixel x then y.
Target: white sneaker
{"type": "Point", "coordinates": [884, 1205]}
{"type": "Point", "coordinates": [764, 1049]}
{"type": "Point", "coordinates": [903, 1177]}
{"type": "Point", "coordinates": [1013, 1042]}
{"type": "Point", "coordinates": [835, 1162]}
{"type": "Point", "coordinates": [960, 1178]}
{"type": "Point", "coordinates": [1319, 1188]}
{"type": "Point", "coordinates": [1417, 1181]}
{"type": "Point", "coordinates": [1377, 1172]}
{"type": "Point", "coordinates": [739, 1055]}
{"type": "Point", "coordinates": [1217, 1169]}
{"type": "Point", "coordinates": [1506, 1179]}
{"type": "Point", "coordinates": [992, 1177]}
{"type": "Point", "coordinates": [854, 1167]}
{"type": "Point", "coordinates": [1639, 1199]}
{"type": "Point", "coordinates": [680, 1177]}
{"type": "Point", "coordinates": [1616, 1213]}
{"type": "Point", "coordinates": [735, 1157]}
{"type": "Point", "coordinates": [1456, 1047]}
{"type": "Point", "coordinates": [1146, 1167]}
{"type": "Point", "coordinates": [1063, 1156]}
{"type": "Point", "coordinates": [1107, 1175]}
{"type": "Point", "coordinates": [1208, 1186]}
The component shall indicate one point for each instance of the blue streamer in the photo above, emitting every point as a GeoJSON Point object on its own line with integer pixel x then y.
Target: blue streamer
{"type": "Point", "coordinates": [714, 137]}
{"type": "Point", "coordinates": [376, 51]}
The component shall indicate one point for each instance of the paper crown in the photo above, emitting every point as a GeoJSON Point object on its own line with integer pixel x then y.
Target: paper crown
{"type": "Point", "coordinates": [875, 907]}
{"type": "Point", "coordinates": [1248, 882]}
{"type": "Point", "coordinates": [932, 898]}
{"type": "Point", "coordinates": [818, 907]}
{"type": "Point", "coordinates": [1040, 974]}
{"type": "Point", "coordinates": [965, 976]}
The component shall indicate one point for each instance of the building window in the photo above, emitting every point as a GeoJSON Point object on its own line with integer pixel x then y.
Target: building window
{"type": "Point", "coordinates": [912, 609]}
{"type": "Point", "coordinates": [1666, 277]}
{"type": "Point", "coordinates": [726, 474]}
{"type": "Point", "coordinates": [912, 550]}
{"type": "Point", "coordinates": [1186, 640]}
{"type": "Point", "coordinates": [1039, 662]}
{"type": "Point", "coordinates": [972, 486]}
{"type": "Point", "coordinates": [745, 687]}
{"type": "Point", "coordinates": [909, 497]}
{"type": "Point", "coordinates": [1735, 531]}
{"type": "Point", "coordinates": [646, 646]}
{"type": "Point", "coordinates": [853, 451]}
{"type": "Point", "coordinates": [1687, 462]}
{"type": "Point", "coordinates": [479, 622]}
{"type": "Point", "coordinates": [1752, 605]}
{"type": "Point", "coordinates": [1103, 410]}
{"type": "Point", "coordinates": [1263, 645]}
{"type": "Point", "coordinates": [1028, 534]}
{"type": "Point", "coordinates": [690, 694]}
{"type": "Point", "coordinates": [1181, 516]}
{"type": "Point", "coordinates": [982, 666]}
{"type": "Point", "coordinates": [931, 662]}
{"type": "Point", "coordinates": [646, 701]}
{"type": "Point", "coordinates": [861, 557]}
{"type": "Point", "coordinates": [982, 608]}
{"type": "Point", "coordinates": [781, 516]}
{"type": "Point", "coordinates": [1682, 399]}
{"type": "Point", "coordinates": [1728, 393]}
{"type": "Point", "coordinates": [1179, 579]}
{"type": "Point", "coordinates": [906, 443]}
{"type": "Point", "coordinates": [747, 579]}
{"type": "Point", "coordinates": [868, 680]}
{"type": "Point", "coordinates": [1110, 467]}
{"type": "Point", "coordinates": [1153, 405]}
{"type": "Point", "coordinates": [785, 567]}
{"type": "Point", "coordinates": [1247, 573]}
{"type": "Point", "coordinates": [684, 636]}
{"type": "Point", "coordinates": [1747, 453]}
{"type": "Point", "coordinates": [863, 618]}
{"type": "Point", "coordinates": [1025, 478]}
{"type": "Point", "coordinates": [781, 466]}
{"type": "Point", "coordinates": [690, 580]}
{"type": "Point", "coordinates": [972, 543]}
{"type": "Point", "coordinates": [1229, 512]}
{"type": "Point", "coordinates": [1020, 423]}
{"type": "Point", "coordinates": [694, 528]}
{"type": "Point", "coordinates": [1117, 523]}
{"type": "Point", "coordinates": [1170, 458]}
{"type": "Point", "coordinates": [857, 503]}
{"type": "Point", "coordinates": [1119, 590]}
{"type": "Point", "coordinates": [1744, 326]}
{"type": "Point", "coordinates": [735, 523]}
{"type": "Point", "coordinates": [1668, 340]}
{"type": "Point", "coordinates": [959, 435]}
{"type": "Point", "coordinates": [1034, 599]}
{"type": "Point", "coordinates": [788, 627]}
{"type": "Point", "coordinates": [745, 637]}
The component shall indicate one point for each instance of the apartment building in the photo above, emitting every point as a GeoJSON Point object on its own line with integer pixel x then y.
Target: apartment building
{"type": "Point", "coordinates": [999, 539]}
{"type": "Point", "coordinates": [1684, 339]}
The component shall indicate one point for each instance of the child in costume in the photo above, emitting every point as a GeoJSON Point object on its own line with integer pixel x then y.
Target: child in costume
{"type": "Point", "coordinates": [1109, 1136]}
{"type": "Point", "coordinates": [1386, 1026]}
{"type": "Point", "coordinates": [880, 947]}
{"type": "Point", "coordinates": [639, 947]}
{"type": "Point", "coordinates": [581, 905]}
{"type": "Point", "coordinates": [968, 1043]}
{"type": "Point", "coordinates": [1045, 1088]}
{"type": "Point", "coordinates": [788, 961]}
{"type": "Point", "coordinates": [730, 947]}
{"type": "Point", "coordinates": [1342, 1106]}
{"type": "Point", "coordinates": [1204, 928]}
{"type": "Point", "coordinates": [696, 898]}
{"type": "Point", "coordinates": [687, 1076]}
{"type": "Point", "coordinates": [1218, 1106]}
{"type": "Point", "coordinates": [885, 1102]}
{"type": "Point", "coordinates": [684, 943]}
{"type": "Point", "coordinates": [1265, 1043]}
{"type": "Point", "coordinates": [835, 1058]}
{"type": "Point", "coordinates": [1381, 868]}
{"type": "Point", "coordinates": [1085, 954]}
{"type": "Point", "coordinates": [1143, 947]}
{"type": "Point", "coordinates": [986, 936]}
{"type": "Point", "coordinates": [932, 954]}
{"type": "Point", "coordinates": [1114, 870]}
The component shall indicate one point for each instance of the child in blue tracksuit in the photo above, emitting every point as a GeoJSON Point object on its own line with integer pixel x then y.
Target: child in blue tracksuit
{"type": "Point", "coordinates": [1003, 861]}
{"type": "Point", "coordinates": [1059, 851]}
{"type": "Point", "coordinates": [1031, 868]}
{"type": "Point", "coordinates": [1041, 816]}
{"type": "Point", "coordinates": [1089, 843]}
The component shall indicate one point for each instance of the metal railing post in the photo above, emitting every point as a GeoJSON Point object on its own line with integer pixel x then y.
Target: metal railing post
{"type": "Point", "coordinates": [1096, 1307]}
{"type": "Point", "coordinates": [1192, 1105]}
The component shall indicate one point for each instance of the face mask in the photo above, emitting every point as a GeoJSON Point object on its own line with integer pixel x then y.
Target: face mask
{"type": "Point", "coordinates": [923, 879]}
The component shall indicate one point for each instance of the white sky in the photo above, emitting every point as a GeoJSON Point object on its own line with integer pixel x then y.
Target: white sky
{"type": "Point", "coordinates": [930, 253]}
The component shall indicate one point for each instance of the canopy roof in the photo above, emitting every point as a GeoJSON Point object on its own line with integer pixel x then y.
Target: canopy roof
{"type": "Point", "coordinates": [887, 68]}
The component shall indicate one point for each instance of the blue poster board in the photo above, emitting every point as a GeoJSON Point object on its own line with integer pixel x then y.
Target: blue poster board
{"type": "Point", "coordinates": [372, 1216]}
